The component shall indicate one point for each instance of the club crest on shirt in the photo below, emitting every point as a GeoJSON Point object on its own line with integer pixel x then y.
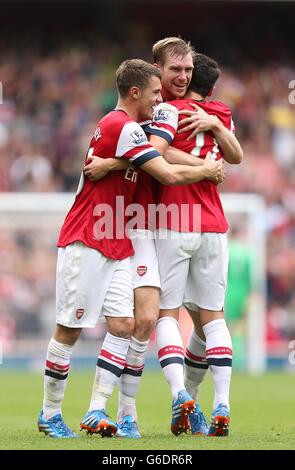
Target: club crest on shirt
{"type": "Point", "coordinates": [79, 313]}
{"type": "Point", "coordinates": [141, 270]}
{"type": "Point", "coordinates": [138, 137]}
{"type": "Point", "coordinates": [161, 115]}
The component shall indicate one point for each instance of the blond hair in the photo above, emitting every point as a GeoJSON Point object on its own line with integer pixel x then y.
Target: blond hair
{"type": "Point", "coordinates": [175, 46]}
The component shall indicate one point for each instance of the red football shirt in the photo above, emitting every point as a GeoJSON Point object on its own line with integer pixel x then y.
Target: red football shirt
{"type": "Point", "coordinates": [205, 193]}
{"type": "Point", "coordinates": [146, 195]}
{"type": "Point", "coordinates": [97, 217]}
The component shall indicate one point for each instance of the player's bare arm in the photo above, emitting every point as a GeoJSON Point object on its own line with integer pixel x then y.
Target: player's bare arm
{"type": "Point", "coordinates": [200, 121]}
{"type": "Point", "coordinates": [231, 149]}
{"type": "Point", "coordinates": [96, 167]}
{"type": "Point", "coordinates": [183, 174]}
{"type": "Point", "coordinates": [175, 156]}
{"type": "Point", "coordinates": [178, 157]}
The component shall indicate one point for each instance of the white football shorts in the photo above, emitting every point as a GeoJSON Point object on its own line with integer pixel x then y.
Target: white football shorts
{"type": "Point", "coordinates": [90, 286]}
{"type": "Point", "coordinates": [144, 263]}
{"type": "Point", "coordinates": [193, 269]}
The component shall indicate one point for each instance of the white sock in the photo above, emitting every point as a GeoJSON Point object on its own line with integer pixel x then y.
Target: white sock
{"type": "Point", "coordinates": [170, 353]}
{"type": "Point", "coordinates": [219, 357]}
{"type": "Point", "coordinates": [195, 364]}
{"type": "Point", "coordinates": [55, 380]}
{"type": "Point", "coordinates": [130, 378]}
{"type": "Point", "coordinates": [110, 365]}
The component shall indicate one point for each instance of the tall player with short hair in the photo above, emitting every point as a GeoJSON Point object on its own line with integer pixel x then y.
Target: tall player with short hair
{"type": "Point", "coordinates": [193, 266]}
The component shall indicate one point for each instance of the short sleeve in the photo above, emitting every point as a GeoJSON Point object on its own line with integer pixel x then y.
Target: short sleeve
{"type": "Point", "coordinates": [165, 122]}
{"type": "Point", "coordinates": [133, 145]}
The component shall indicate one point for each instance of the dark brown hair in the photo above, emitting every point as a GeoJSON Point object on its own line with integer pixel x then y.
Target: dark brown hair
{"type": "Point", "coordinates": [134, 72]}
{"type": "Point", "coordinates": [205, 74]}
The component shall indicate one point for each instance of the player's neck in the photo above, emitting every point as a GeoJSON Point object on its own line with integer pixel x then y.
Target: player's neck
{"type": "Point", "coordinates": [194, 96]}
{"type": "Point", "coordinates": [128, 108]}
{"type": "Point", "coordinates": [166, 95]}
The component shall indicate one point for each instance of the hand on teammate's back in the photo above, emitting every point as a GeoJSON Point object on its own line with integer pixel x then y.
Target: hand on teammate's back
{"type": "Point", "coordinates": [197, 121]}
{"type": "Point", "coordinates": [216, 170]}
{"type": "Point", "coordinates": [96, 168]}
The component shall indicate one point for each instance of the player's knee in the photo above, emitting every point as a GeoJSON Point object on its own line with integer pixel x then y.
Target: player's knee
{"type": "Point", "coordinates": [145, 326]}
{"type": "Point", "coordinates": [67, 335]}
{"type": "Point", "coordinates": [122, 327]}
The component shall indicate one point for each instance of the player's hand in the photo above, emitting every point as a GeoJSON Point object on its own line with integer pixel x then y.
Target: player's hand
{"type": "Point", "coordinates": [197, 121]}
{"type": "Point", "coordinates": [214, 169]}
{"type": "Point", "coordinates": [96, 168]}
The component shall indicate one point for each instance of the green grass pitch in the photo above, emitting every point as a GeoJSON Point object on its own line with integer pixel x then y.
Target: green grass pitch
{"type": "Point", "coordinates": [262, 414]}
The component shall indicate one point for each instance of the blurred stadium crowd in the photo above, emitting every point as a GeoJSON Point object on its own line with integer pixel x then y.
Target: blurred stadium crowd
{"type": "Point", "coordinates": [51, 104]}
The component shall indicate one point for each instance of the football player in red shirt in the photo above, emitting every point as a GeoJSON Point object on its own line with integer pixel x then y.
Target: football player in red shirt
{"type": "Point", "coordinates": [193, 261]}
